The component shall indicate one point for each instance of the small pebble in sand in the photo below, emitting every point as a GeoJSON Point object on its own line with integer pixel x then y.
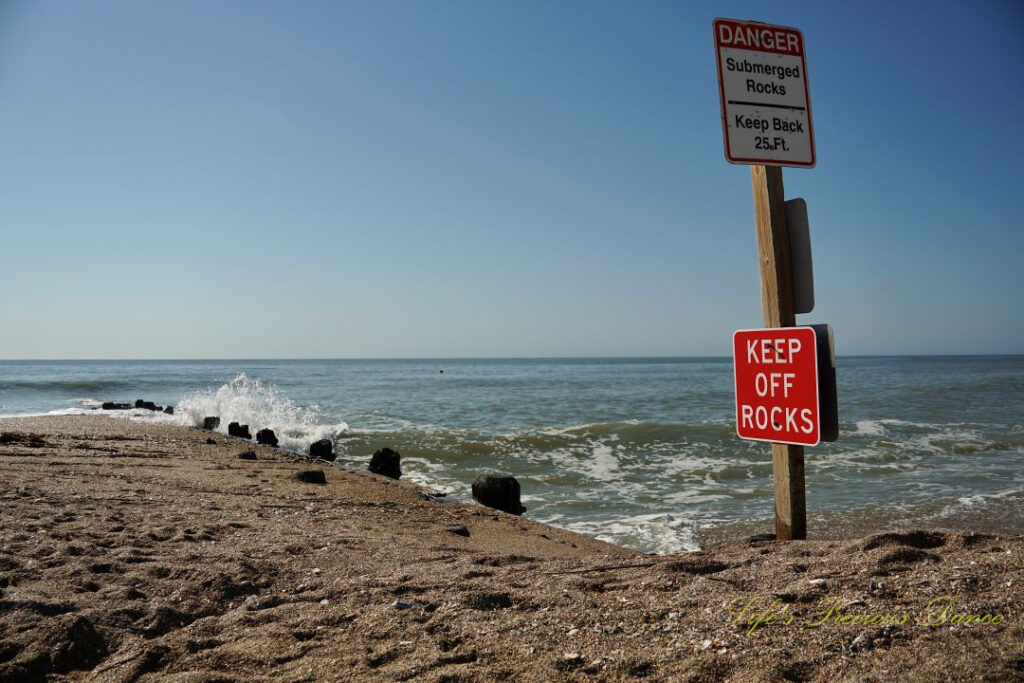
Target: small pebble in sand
{"type": "Point", "coordinates": [316, 570]}
{"type": "Point", "coordinates": [398, 604]}
{"type": "Point", "coordinates": [252, 603]}
{"type": "Point", "coordinates": [325, 601]}
{"type": "Point", "coordinates": [861, 642]}
{"type": "Point", "coordinates": [817, 582]}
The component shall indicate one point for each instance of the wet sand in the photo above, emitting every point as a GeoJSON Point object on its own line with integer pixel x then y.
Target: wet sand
{"type": "Point", "coordinates": [132, 551]}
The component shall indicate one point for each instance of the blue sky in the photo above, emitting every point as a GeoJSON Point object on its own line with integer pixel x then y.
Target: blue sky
{"type": "Point", "coordinates": [466, 178]}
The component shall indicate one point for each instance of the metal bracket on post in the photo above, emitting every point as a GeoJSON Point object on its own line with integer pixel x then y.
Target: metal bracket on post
{"type": "Point", "coordinates": [800, 255]}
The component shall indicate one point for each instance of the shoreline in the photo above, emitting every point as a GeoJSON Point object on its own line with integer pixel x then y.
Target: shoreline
{"type": "Point", "coordinates": [133, 550]}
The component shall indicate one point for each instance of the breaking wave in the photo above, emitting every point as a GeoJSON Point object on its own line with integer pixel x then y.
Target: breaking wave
{"type": "Point", "coordinates": [249, 401]}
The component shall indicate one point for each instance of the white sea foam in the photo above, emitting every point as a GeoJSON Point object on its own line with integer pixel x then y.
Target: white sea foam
{"type": "Point", "coordinates": [693, 497]}
{"type": "Point", "coordinates": [88, 402]}
{"type": "Point", "coordinates": [247, 400]}
{"type": "Point", "coordinates": [602, 462]}
{"type": "Point", "coordinates": [584, 427]}
{"type": "Point", "coordinates": [661, 532]}
{"type": "Point", "coordinates": [869, 428]}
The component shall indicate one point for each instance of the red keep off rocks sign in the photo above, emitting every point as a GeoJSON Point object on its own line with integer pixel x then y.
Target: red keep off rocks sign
{"type": "Point", "coordinates": [776, 373]}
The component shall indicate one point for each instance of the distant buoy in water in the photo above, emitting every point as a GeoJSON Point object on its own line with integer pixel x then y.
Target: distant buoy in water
{"type": "Point", "coordinates": [442, 372]}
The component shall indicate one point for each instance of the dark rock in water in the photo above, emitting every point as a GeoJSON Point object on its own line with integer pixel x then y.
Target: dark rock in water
{"type": "Point", "coordinates": [211, 442]}
{"type": "Point", "coordinates": [235, 429]}
{"type": "Point", "coordinates": [247, 455]}
{"type": "Point", "coordinates": [148, 405]}
{"type": "Point", "coordinates": [387, 462]}
{"type": "Point", "coordinates": [322, 450]}
{"type": "Point", "coordinates": [211, 422]}
{"type": "Point", "coordinates": [266, 437]}
{"type": "Point", "coordinates": [312, 476]}
{"type": "Point", "coordinates": [498, 491]}
{"type": "Point", "coordinates": [110, 405]}
{"type": "Point", "coordinates": [169, 410]}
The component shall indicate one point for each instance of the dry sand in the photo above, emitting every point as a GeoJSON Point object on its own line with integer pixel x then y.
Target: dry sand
{"type": "Point", "coordinates": [131, 551]}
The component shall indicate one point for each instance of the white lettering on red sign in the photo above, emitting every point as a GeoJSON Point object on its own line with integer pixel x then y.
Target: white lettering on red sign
{"type": "Point", "coordinates": [776, 373]}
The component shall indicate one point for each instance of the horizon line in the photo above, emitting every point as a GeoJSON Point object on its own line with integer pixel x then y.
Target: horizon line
{"type": "Point", "coordinates": [462, 358]}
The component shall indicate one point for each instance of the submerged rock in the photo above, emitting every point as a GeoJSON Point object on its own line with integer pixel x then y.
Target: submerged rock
{"type": "Point", "coordinates": [169, 410]}
{"type": "Point", "coordinates": [235, 429]}
{"type": "Point", "coordinates": [322, 450]}
{"type": "Point", "coordinates": [211, 422]}
{"type": "Point", "coordinates": [387, 462]}
{"type": "Point", "coordinates": [498, 491]}
{"type": "Point", "coordinates": [266, 437]}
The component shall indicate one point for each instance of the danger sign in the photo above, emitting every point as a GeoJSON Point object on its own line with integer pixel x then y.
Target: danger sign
{"type": "Point", "coordinates": [777, 385]}
{"type": "Point", "coordinates": [766, 106]}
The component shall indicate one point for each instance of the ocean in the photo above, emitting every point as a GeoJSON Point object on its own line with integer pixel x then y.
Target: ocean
{"type": "Point", "coordinates": [640, 452]}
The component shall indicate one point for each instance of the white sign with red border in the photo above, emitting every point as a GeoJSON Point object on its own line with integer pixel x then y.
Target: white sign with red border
{"type": "Point", "coordinates": [766, 106]}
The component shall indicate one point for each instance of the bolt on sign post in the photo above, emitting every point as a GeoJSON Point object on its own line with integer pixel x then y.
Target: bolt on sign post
{"type": "Point", "coordinates": [766, 123]}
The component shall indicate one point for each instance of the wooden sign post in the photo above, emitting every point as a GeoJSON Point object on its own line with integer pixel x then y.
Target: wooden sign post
{"type": "Point", "coordinates": [767, 124]}
{"type": "Point", "coordinates": [777, 305]}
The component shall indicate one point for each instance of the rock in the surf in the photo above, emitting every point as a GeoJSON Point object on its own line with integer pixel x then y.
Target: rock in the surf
{"type": "Point", "coordinates": [498, 491]}
{"type": "Point", "coordinates": [322, 450]}
{"type": "Point", "coordinates": [147, 405]}
{"type": "Point", "coordinates": [266, 437]}
{"type": "Point", "coordinates": [211, 422]}
{"type": "Point", "coordinates": [169, 410]}
{"type": "Point", "coordinates": [387, 462]}
{"type": "Point", "coordinates": [110, 405]}
{"type": "Point", "coordinates": [312, 476]}
{"type": "Point", "coordinates": [235, 429]}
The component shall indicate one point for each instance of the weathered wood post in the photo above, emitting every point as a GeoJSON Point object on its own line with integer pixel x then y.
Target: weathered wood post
{"type": "Point", "coordinates": [777, 305]}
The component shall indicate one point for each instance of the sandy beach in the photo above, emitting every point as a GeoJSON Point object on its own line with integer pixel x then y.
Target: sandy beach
{"type": "Point", "coordinates": [144, 552]}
